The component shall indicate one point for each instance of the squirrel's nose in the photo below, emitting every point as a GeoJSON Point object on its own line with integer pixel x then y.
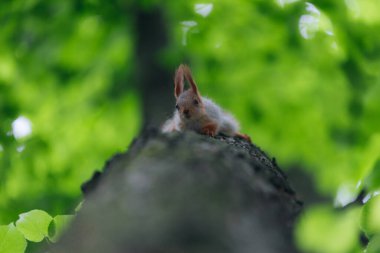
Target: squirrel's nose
{"type": "Point", "coordinates": [187, 113]}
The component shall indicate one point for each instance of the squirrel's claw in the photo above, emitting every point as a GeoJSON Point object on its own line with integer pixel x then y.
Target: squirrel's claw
{"type": "Point", "coordinates": [244, 136]}
{"type": "Point", "coordinates": [209, 129]}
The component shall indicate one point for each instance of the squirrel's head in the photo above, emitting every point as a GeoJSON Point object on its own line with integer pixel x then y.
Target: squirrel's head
{"type": "Point", "coordinates": [189, 102]}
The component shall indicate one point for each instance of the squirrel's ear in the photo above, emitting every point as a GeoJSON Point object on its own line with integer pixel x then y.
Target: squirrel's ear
{"type": "Point", "coordinates": [189, 78]}
{"type": "Point", "coordinates": [178, 81]}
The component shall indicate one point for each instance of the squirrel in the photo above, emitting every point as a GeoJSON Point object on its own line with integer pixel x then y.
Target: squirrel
{"type": "Point", "coordinates": [197, 113]}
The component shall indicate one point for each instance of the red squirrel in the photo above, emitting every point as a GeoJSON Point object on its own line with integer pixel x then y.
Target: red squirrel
{"type": "Point", "coordinates": [197, 113]}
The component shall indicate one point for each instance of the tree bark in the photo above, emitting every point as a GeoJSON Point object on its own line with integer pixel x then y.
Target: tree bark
{"type": "Point", "coordinates": [185, 192]}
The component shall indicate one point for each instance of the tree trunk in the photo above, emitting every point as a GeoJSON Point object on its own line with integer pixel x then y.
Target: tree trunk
{"type": "Point", "coordinates": [185, 192]}
{"type": "Point", "coordinates": [154, 81]}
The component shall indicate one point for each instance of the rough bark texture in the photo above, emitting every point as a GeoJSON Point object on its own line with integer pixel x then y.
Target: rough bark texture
{"type": "Point", "coordinates": [186, 192]}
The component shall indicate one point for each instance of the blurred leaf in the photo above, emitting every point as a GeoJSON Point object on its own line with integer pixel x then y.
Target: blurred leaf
{"type": "Point", "coordinates": [322, 229]}
{"type": "Point", "coordinates": [34, 225]}
{"type": "Point", "coordinates": [8, 69]}
{"type": "Point", "coordinates": [365, 10]}
{"type": "Point", "coordinates": [11, 240]}
{"type": "Point", "coordinates": [310, 102]}
{"type": "Point", "coordinates": [372, 181]}
{"type": "Point", "coordinates": [370, 156]}
{"type": "Point", "coordinates": [346, 194]}
{"type": "Point", "coordinates": [282, 3]}
{"type": "Point", "coordinates": [89, 31]}
{"type": "Point", "coordinates": [373, 245]}
{"type": "Point", "coordinates": [61, 223]}
{"type": "Point", "coordinates": [370, 219]}
{"type": "Point", "coordinates": [309, 23]}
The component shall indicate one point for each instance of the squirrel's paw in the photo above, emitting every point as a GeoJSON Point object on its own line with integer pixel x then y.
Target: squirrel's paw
{"type": "Point", "coordinates": [244, 136]}
{"type": "Point", "coordinates": [209, 129]}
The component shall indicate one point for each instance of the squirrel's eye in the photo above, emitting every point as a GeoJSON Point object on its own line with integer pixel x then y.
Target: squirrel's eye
{"type": "Point", "coordinates": [177, 107]}
{"type": "Point", "coordinates": [195, 102]}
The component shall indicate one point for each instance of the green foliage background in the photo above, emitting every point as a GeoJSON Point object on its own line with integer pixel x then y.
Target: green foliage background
{"type": "Point", "coordinates": [302, 77]}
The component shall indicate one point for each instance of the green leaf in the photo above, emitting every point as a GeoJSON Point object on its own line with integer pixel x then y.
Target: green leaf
{"type": "Point", "coordinates": [11, 240]}
{"type": "Point", "coordinates": [61, 222]}
{"type": "Point", "coordinates": [370, 156]}
{"type": "Point", "coordinates": [34, 225]}
{"type": "Point", "coordinates": [372, 182]}
{"type": "Point", "coordinates": [321, 228]}
{"type": "Point", "coordinates": [370, 219]}
{"type": "Point", "coordinates": [374, 245]}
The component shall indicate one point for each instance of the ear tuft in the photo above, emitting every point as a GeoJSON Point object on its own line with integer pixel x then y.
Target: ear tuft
{"type": "Point", "coordinates": [189, 78]}
{"type": "Point", "coordinates": [178, 81]}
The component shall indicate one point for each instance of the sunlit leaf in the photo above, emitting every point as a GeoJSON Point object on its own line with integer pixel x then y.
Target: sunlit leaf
{"type": "Point", "coordinates": [309, 23]}
{"type": "Point", "coordinates": [282, 3]}
{"type": "Point", "coordinates": [11, 240]}
{"type": "Point", "coordinates": [346, 194]}
{"type": "Point", "coordinates": [8, 68]}
{"type": "Point", "coordinates": [203, 9]}
{"type": "Point", "coordinates": [364, 10]}
{"type": "Point", "coordinates": [314, 21]}
{"type": "Point", "coordinates": [34, 225]}
{"type": "Point", "coordinates": [321, 229]}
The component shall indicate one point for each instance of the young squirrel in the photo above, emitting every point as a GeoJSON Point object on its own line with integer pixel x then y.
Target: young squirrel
{"type": "Point", "coordinates": [197, 113]}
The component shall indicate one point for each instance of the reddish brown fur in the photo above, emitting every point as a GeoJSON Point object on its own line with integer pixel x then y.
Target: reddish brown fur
{"type": "Point", "coordinates": [197, 112]}
{"type": "Point", "coordinates": [189, 78]}
{"type": "Point", "coordinates": [244, 136]}
{"type": "Point", "coordinates": [210, 129]}
{"type": "Point", "coordinates": [178, 82]}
